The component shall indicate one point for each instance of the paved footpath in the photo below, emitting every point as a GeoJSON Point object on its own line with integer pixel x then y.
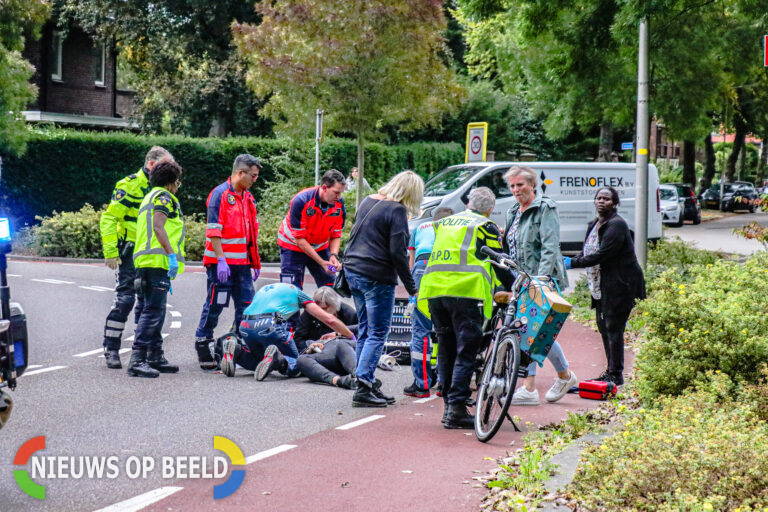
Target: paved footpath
{"type": "Point", "coordinates": [398, 457]}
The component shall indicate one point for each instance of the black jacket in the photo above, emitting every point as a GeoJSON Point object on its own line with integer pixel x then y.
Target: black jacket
{"type": "Point", "coordinates": [621, 278]}
{"type": "Point", "coordinates": [309, 328]}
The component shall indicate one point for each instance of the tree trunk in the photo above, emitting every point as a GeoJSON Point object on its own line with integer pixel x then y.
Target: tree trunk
{"type": "Point", "coordinates": [709, 163]}
{"type": "Point", "coordinates": [218, 126]}
{"type": "Point", "coordinates": [606, 143]}
{"type": "Point", "coordinates": [689, 162]}
{"type": "Point", "coordinates": [738, 142]}
{"type": "Point", "coordinates": [360, 171]}
{"type": "Point", "coordinates": [742, 157]}
{"type": "Point", "coordinates": [761, 164]}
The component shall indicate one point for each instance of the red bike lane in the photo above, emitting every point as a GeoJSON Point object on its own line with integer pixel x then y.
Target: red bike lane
{"type": "Point", "coordinates": [404, 458]}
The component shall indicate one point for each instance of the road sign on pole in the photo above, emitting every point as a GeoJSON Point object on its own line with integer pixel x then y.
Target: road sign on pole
{"type": "Point", "coordinates": [477, 135]}
{"type": "Point", "coordinates": [627, 146]}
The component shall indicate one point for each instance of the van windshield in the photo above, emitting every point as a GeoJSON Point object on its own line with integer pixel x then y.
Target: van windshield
{"type": "Point", "coordinates": [448, 180]}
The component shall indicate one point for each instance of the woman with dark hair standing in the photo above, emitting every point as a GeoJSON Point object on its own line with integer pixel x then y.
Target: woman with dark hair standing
{"type": "Point", "coordinates": [615, 278]}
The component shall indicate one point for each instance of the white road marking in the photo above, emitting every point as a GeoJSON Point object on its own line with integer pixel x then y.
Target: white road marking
{"type": "Point", "coordinates": [96, 288]}
{"type": "Point", "coordinates": [359, 422]}
{"type": "Point", "coordinates": [89, 353]}
{"type": "Point", "coordinates": [53, 281]}
{"type": "Point", "coordinates": [176, 313]}
{"type": "Point", "coordinates": [32, 366]}
{"type": "Point", "coordinates": [43, 370]}
{"type": "Point", "coordinates": [141, 501]}
{"type": "Point", "coordinates": [168, 305]}
{"type": "Point", "coordinates": [425, 400]}
{"type": "Point", "coordinates": [13, 275]}
{"type": "Point", "coordinates": [268, 453]}
{"type": "Point", "coordinates": [175, 325]}
{"type": "Point", "coordinates": [131, 337]}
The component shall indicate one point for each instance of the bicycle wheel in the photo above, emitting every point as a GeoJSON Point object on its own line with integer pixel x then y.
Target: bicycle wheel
{"type": "Point", "coordinates": [497, 386]}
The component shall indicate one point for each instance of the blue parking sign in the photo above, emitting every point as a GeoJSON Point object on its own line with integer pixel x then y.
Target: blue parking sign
{"type": "Point", "coordinates": [626, 146]}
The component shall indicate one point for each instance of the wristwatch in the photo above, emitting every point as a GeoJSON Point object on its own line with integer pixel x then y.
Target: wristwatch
{"type": "Point", "coordinates": [335, 255]}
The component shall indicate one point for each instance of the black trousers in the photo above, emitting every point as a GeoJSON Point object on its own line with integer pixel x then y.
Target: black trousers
{"type": "Point", "coordinates": [125, 297]}
{"type": "Point", "coordinates": [150, 309]}
{"type": "Point", "coordinates": [459, 326]}
{"type": "Point", "coordinates": [611, 329]}
{"type": "Point", "coordinates": [336, 360]}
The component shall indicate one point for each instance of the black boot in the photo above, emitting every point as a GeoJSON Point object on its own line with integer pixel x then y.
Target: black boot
{"type": "Point", "coordinates": [157, 360]}
{"type": "Point", "coordinates": [113, 359]}
{"type": "Point", "coordinates": [138, 366]}
{"type": "Point", "coordinates": [364, 396]}
{"type": "Point", "coordinates": [380, 394]}
{"type": "Point", "coordinates": [458, 417]}
{"type": "Point", "coordinates": [616, 377]}
{"type": "Point", "coordinates": [204, 357]}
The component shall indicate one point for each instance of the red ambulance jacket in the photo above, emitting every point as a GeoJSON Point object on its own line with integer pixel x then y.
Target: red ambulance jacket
{"type": "Point", "coordinates": [232, 218]}
{"type": "Point", "coordinates": [305, 219]}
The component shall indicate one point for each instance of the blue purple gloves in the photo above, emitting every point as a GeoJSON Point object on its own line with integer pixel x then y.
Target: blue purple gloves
{"type": "Point", "coordinates": [222, 270]}
{"type": "Point", "coordinates": [256, 273]}
{"type": "Point", "coordinates": [567, 262]}
{"type": "Point", "coordinates": [354, 338]}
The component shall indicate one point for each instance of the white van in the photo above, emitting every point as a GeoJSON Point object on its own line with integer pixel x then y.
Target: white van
{"type": "Point", "coordinates": [571, 184]}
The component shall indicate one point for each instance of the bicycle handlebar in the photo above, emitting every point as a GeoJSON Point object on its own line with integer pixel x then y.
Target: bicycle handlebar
{"type": "Point", "coordinates": [501, 259]}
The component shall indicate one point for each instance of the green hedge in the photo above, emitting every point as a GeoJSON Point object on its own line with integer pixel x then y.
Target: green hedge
{"type": "Point", "coordinates": [64, 169]}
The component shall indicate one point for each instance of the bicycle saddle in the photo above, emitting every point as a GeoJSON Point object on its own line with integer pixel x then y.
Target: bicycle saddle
{"type": "Point", "coordinates": [503, 297]}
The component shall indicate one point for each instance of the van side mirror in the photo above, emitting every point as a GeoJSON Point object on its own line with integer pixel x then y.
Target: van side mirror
{"type": "Point", "coordinates": [465, 197]}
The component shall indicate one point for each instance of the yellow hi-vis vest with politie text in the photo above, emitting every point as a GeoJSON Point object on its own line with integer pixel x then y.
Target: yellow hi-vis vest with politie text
{"type": "Point", "coordinates": [453, 269]}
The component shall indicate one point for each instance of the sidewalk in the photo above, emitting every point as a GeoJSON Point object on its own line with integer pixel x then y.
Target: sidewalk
{"type": "Point", "coordinates": [404, 459]}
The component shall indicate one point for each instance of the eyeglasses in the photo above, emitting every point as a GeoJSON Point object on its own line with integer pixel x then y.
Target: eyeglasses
{"type": "Point", "coordinates": [253, 176]}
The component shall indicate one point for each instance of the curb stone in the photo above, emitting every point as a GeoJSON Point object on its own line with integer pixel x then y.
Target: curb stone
{"type": "Point", "coordinates": [57, 259]}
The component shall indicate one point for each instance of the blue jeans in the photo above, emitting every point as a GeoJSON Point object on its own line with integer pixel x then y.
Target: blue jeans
{"type": "Point", "coordinates": [150, 308]}
{"type": "Point", "coordinates": [555, 356]}
{"type": "Point", "coordinates": [421, 346]}
{"type": "Point", "coordinates": [239, 286]}
{"type": "Point", "coordinates": [374, 302]}
{"type": "Point", "coordinates": [258, 334]}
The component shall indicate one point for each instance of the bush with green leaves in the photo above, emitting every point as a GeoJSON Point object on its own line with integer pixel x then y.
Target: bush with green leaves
{"type": "Point", "coordinates": [677, 255]}
{"type": "Point", "coordinates": [710, 318]}
{"type": "Point", "coordinates": [83, 167]}
{"type": "Point", "coordinates": [77, 235]}
{"type": "Point", "coordinates": [701, 451]}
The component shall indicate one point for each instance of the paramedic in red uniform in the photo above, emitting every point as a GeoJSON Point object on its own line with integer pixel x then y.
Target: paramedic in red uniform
{"type": "Point", "coordinates": [230, 252]}
{"type": "Point", "coordinates": [310, 235]}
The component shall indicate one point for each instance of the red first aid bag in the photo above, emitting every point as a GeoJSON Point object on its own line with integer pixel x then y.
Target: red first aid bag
{"type": "Point", "coordinates": [596, 389]}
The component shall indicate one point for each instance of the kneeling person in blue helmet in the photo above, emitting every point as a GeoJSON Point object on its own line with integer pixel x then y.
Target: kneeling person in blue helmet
{"type": "Point", "coordinates": [267, 334]}
{"type": "Point", "coordinates": [324, 356]}
{"type": "Point", "coordinates": [158, 257]}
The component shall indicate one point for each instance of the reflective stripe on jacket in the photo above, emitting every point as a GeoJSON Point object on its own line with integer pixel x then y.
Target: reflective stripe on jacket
{"type": "Point", "coordinates": [148, 253]}
{"type": "Point", "coordinates": [118, 221]}
{"type": "Point", "coordinates": [305, 219]}
{"type": "Point", "coordinates": [454, 269]}
{"type": "Point", "coordinates": [233, 218]}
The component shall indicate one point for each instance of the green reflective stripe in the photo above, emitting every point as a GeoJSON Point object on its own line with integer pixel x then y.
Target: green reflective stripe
{"type": "Point", "coordinates": [449, 267]}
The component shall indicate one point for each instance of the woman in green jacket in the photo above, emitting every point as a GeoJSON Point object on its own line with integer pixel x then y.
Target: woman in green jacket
{"type": "Point", "coordinates": [532, 239]}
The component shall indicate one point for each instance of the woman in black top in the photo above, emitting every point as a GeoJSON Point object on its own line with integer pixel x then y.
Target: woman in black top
{"type": "Point", "coordinates": [376, 256]}
{"type": "Point", "coordinates": [614, 277]}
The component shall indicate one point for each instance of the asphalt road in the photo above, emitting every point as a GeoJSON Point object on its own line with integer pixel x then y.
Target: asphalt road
{"type": "Point", "coordinates": [717, 235]}
{"type": "Point", "coordinates": [84, 409]}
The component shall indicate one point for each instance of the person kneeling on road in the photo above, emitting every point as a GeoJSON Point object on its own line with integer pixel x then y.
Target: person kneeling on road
{"type": "Point", "coordinates": [267, 335]}
{"type": "Point", "coordinates": [331, 360]}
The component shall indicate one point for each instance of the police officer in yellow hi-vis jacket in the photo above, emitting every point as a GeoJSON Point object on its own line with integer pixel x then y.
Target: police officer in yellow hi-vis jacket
{"type": "Point", "coordinates": [457, 293]}
{"type": "Point", "coordinates": [159, 257]}
{"type": "Point", "coordinates": [118, 234]}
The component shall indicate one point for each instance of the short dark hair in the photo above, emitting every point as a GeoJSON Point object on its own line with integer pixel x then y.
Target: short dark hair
{"type": "Point", "coordinates": [442, 213]}
{"type": "Point", "coordinates": [164, 173]}
{"type": "Point", "coordinates": [614, 194]}
{"type": "Point", "coordinates": [332, 177]}
{"type": "Point", "coordinates": [244, 162]}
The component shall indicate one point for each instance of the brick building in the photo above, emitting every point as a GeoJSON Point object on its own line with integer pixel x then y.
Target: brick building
{"type": "Point", "coordinates": [77, 81]}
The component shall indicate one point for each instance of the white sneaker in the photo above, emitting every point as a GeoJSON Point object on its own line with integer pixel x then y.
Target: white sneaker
{"type": "Point", "coordinates": [560, 388]}
{"type": "Point", "coordinates": [524, 397]}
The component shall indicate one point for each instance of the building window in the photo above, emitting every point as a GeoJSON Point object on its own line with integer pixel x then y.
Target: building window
{"type": "Point", "coordinates": [56, 55]}
{"type": "Point", "coordinates": [98, 59]}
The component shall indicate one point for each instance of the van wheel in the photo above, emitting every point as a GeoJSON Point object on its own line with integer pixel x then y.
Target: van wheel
{"type": "Point", "coordinates": [679, 223]}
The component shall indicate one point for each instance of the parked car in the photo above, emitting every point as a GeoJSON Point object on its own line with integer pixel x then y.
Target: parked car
{"type": "Point", "coordinates": [692, 206]}
{"type": "Point", "coordinates": [710, 198]}
{"type": "Point", "coordinates": [672, 206]}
